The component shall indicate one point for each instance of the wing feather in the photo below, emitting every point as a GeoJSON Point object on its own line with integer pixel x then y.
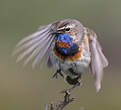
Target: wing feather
{"type": "Point", "coordinates": [46, 58]}
{"type": "Point", "coordinates": [26, 52]}
{"type": "Point", "coordinates": [37, 45]}
{"type": "Point", "coordinates": [34, 35]}
{"type": "Point", "coordinates": [98, 60]}
{"type": "Point", "coordinates": [103, 58]}
{"type": "Point", "coordinates": [42, 53]}
{"type": "Point", "coordinates": [37, 50]}
{"type": "Point", "coordinates": [36, 40]}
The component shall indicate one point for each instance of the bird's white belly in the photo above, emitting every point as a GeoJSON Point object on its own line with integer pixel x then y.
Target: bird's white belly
{"type": "Point", "coordinates": [77, 66]}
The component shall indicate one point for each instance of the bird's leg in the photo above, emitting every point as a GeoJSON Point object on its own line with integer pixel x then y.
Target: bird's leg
{"type": "Point", "coordinates": [67, 98]}
{"type": "Point", "coordinates": [70, 89]}
{"type": "Point", "coordinates": [67, 92]}
{"type": "Point", "coordinates": [58, 72]}
{"type": "Point", "coordinates": [78, 83]}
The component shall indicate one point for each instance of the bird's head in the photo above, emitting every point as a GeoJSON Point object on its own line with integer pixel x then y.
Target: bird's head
{"type": "Point", "coordinates": [69, 26]}
{"type": "Point", "coordinates": [68, 34]}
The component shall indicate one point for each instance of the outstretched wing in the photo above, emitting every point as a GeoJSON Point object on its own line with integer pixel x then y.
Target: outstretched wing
{"type": "Point", "coordinates": [98, 60]}
{"type": "Point", "coordinates": [36, 46]}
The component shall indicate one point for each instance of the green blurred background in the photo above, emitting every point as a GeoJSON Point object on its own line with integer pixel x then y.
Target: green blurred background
{"type": "Point", "coordinates": [22, 88]}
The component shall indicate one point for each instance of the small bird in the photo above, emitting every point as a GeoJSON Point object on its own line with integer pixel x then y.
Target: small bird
{"type": "Point", "coordinates": [69, 47]}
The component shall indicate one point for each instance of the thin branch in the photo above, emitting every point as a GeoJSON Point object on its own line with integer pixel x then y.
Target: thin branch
{"type": "Point", "coordinates": [59, 105]}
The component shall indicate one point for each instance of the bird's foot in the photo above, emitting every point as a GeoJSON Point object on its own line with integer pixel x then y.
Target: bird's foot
{"type": "Point", "coordinates": [67, 98]}
{"type": "Point", "coordinates": [56, 74]}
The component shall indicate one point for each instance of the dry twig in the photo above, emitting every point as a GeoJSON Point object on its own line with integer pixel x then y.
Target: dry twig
{"type": "Point", "coordinates": [59, 105]}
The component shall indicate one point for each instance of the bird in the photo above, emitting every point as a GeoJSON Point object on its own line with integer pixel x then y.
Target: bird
{"type": "Point", "coordinates": [69, 47]}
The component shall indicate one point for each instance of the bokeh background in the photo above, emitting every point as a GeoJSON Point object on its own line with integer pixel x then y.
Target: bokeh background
{"type": "Point", "coordinates": [22, 88]}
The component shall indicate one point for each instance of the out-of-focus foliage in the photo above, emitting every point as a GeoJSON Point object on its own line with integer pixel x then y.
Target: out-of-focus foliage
{"type": "Point", "coordinates": [27, 89]}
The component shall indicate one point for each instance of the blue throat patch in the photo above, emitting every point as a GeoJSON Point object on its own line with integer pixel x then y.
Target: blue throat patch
{"type": "Point", "coordinates": [70, 50]}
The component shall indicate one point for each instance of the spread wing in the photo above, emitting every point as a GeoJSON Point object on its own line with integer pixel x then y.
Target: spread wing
{"type": "Point", "coordinates": [98, 60]}
{"type": "Point", "coordinates": [36, 46]}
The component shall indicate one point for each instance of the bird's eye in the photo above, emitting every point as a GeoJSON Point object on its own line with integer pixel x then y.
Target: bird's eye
{"type": "Point", "coordinates": [67, 29]}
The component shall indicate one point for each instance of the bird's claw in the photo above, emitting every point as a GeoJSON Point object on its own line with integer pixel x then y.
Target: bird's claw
{"type": "Point", "coordinates": [67, 98]}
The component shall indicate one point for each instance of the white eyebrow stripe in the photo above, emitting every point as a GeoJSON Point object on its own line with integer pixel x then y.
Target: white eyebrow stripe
{"type": "Point", "coordinates": [68, 26]}
{"type": "Point", "coordinates": [61, 28]}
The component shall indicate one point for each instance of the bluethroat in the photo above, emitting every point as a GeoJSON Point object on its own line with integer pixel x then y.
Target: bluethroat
{"type": "Point", "coordinates": [68, 46]}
